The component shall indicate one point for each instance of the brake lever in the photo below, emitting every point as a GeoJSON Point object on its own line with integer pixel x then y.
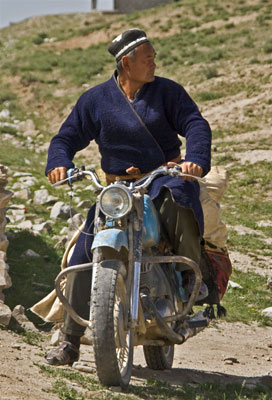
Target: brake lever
{"type": "Point", "coordinates": [60, 182]}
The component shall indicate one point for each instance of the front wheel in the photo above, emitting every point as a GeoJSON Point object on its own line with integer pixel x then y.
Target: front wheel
{"type": "Point", "coordinates": [159, 357]}
{"type": "Point", "coordinates": [112, 339]}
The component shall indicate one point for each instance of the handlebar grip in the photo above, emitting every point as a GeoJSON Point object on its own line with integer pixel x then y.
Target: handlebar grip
{"type": "Point", "coordinates": [70, 173]}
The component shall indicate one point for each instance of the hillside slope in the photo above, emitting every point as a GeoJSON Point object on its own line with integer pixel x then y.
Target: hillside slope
{"type": "Point", "coordinates": [221, 52]}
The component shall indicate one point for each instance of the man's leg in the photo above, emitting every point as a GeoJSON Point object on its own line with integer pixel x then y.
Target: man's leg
{"type": "Point", "coordinates": [182, 230]}
{"type": "Point", "coordinates": [77, 292]}
{"type": "Point", "coordinates": [180, 226]}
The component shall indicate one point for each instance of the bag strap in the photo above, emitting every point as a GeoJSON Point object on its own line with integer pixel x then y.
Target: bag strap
{"type": "Point", "coordinates": [139, 117]}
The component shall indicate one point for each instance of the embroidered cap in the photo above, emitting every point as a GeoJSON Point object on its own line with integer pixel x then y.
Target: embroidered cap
{"type": "Point", "coordinates": [125, 42]}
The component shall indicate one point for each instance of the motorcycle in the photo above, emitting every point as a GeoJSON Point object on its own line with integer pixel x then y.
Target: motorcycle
{"type": "Point", "coordinates": [137, 296]}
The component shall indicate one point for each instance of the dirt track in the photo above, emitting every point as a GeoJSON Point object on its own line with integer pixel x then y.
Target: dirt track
{"type": "Point", "coordinates": [224, 353]}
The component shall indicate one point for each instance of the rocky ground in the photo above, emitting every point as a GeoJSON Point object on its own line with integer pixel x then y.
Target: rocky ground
{"type": "Point", "coordinates": [225, 353]}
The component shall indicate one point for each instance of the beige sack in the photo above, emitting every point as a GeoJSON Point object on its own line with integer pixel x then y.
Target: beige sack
{"type": "Point", "coordinates": [211, 193]}
{"type": "Point", "coordinates": [50, 308]}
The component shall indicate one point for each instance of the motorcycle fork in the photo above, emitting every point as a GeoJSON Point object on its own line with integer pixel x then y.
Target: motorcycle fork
{"type": "Point", "coordinates": [98, 223]}
{"type": "Point", "coordinates": [135, 259]}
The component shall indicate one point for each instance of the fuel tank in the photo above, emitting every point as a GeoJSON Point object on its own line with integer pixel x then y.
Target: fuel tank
{"type": "Point", "coordinates": [151, 231]}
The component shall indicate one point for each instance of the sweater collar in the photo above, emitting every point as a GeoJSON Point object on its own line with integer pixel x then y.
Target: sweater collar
{"type": "Point", "coordinates": [117, 82]}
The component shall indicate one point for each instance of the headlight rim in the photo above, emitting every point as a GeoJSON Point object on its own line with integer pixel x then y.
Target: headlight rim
{"type": "Point", "coordinates": [125, 190]}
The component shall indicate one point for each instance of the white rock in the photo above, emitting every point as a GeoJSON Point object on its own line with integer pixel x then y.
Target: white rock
{"type": "Point", "coordinates": [76, 221]}
{"type": "Point", "coordinates": [19, 314]}
{"type": "Point", "coordinates": [31, 253]}
{"type": "Point", "coordinates": [61, 210]}
{"type": "Point", "coordinates": [28, 181]}
{"type": "Point", "coordinates": [5, 280]}
{"type": "Point", "coordinates": [19, 174]}
{"type": "Point", "coordinates": [8, 125]}
{"type": "Point", "coordinates": [25, 225]}
{"type": "Point", "coordinates": [44, 226]}
{"type": "Point", "coordinates": [43, 197]}
{"type": "Point", "coordinates": [89, 188]}
{"type": "Point", "coordinates": [80, 366]}
{"type": "Point", "coordinates": [234, 285]}
{"type": "Point", "coordinates": [267, 312]}
{"type": "Point", "coordinates": [87, 337]}
{"type": "Point", "coordinates": [5, 314]}
{"type": "Point", "coordinates": [61, 241]}
{"type": "Point", "coordinates": [57, 337]}
{"type": "Point", "coordinates": [17, 207]}
{"type": "Point", "coordinates": [4, 114]}
{"type": "Point", "coordinates": [64, 230]}
{"type": "Point", "coordinates": [28, 128]}
{"type": "Point", "coordinates": [23, 194]}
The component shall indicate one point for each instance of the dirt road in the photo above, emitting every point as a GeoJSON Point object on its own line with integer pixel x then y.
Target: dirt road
{"type": "Point", "coordinates": [224, 353]}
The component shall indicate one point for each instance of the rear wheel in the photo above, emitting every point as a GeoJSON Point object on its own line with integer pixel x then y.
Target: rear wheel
{"type": "Point", "coordinates": [159, 357]}
{"type": "Point", "coordinates": [112, 339]}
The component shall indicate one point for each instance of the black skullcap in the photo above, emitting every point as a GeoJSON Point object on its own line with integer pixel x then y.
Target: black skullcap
{"type": "Point", "coordinates": [126, 41]}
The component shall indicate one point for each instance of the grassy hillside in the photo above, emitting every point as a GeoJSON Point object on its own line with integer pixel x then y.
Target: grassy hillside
{"type": "Point", "coordinates": [221, 51]}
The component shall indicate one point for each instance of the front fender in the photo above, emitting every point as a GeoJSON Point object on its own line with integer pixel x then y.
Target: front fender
{"type": "Point", "coordinates": [115, 238]}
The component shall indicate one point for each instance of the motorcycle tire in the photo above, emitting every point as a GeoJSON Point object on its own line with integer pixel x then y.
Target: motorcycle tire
{"type": "Point", "coordinates": [159, 357]}
{"type": "Point", "coordinates": [112, 341]}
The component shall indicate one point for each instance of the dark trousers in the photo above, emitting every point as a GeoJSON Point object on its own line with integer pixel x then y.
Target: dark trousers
{"type": "Point", "coordinates": [179, 226]}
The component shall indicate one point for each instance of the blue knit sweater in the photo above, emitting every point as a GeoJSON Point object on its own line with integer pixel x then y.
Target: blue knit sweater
{"type": "Point", "coordinates": [104, 114]}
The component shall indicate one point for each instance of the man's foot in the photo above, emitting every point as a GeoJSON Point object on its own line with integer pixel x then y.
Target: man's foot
{"type": "Point", "coordinates": [65, 353]}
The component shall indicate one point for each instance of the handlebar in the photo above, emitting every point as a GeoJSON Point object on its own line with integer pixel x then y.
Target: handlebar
{"type": "Point", "coordinates": [76, 174]}
{"type": "Point", "coordinates": [172, 171]}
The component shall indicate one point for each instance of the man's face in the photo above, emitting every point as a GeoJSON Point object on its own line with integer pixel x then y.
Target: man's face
{"type": "Point", "coordinates": [142, 65]}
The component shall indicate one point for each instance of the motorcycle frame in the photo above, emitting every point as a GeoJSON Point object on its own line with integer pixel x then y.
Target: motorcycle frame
{"type": "Point", "coordinates": [135, 260]}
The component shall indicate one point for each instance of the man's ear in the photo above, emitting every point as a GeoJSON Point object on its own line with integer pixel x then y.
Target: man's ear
{"type": "Point", "coordinates": [125, 62]}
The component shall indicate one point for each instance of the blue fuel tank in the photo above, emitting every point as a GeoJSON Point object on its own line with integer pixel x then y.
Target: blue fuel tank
{"type": "Point", "coordinates": [152, 228]}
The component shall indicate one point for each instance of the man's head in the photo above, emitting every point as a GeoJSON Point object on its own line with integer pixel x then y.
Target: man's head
{"type": "Point", "coordinates": [135, 56]}
{"type": "Point", "coordinates": [126, 42]}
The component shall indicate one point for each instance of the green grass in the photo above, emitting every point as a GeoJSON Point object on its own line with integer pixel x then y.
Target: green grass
{"type": "Point", "coordinates": [76, 65]}
{"type": "Point", "coordinates": [17, 158]}
{"type": "Point", "coordinates": [32, 278]}
{"type": "Point", "coordinates": [207, 96]}
{"type": "Point", "coordinates": [150, 390]}
{"type": "Point", "coordinates": [214, 62]}
{"type": "Point", "coordinates": [245, 202]}
{"type": "Point", "coordinates": [245, 305]}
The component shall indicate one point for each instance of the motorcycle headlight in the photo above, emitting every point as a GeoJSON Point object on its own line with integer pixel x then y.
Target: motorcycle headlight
{"type": "Point", "coordinates": [115, 201]}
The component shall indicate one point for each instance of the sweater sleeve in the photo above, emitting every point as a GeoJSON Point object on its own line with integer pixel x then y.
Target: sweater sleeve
{"type": "Point", "coordinates": [190, 124]}
{"type": "Point", "coordinates": [75, 134]}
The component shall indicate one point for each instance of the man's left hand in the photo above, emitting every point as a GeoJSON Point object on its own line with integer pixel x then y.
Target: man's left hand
{"type": "Point", "coordinates": [188, 167]}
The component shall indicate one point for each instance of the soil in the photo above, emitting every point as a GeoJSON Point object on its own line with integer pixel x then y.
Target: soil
{"type": "Point", "coordinates": [224, 353]}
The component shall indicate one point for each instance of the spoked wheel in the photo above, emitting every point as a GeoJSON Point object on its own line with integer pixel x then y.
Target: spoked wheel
{"type": "Point", "coordinates": [112, 339]}
{"type": "Point", "coordinates": [159, 357]}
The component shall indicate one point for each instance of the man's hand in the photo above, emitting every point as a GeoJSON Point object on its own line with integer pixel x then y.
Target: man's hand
{"type": "Point", "coordinates": [57, 174]}
{"type": "Point", "coordinates": [190, 168]}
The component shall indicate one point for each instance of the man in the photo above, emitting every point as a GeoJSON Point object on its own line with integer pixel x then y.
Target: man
{"type": "Point", "coordinates": [135, 118]}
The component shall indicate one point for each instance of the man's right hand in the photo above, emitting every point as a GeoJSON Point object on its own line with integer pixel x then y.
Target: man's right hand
{"type": "Point", "coordinates": [57, 174]}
